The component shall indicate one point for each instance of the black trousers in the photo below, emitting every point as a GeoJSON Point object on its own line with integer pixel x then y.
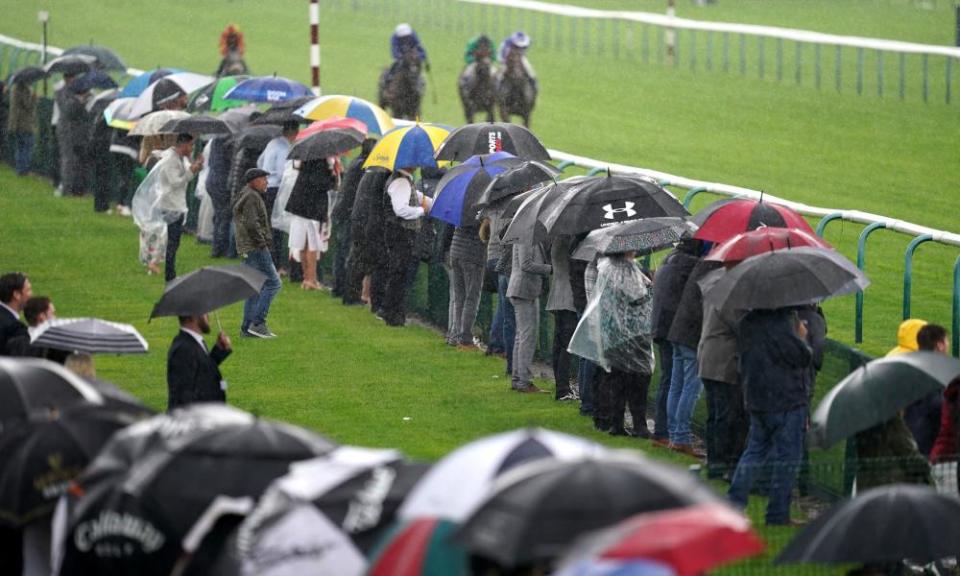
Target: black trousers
{"type": "Point", "coordinates": [341, 238]}
{"type": "Point", "coordinates": [101, 167]}
{"type": "Point", "coordinates": [616, 390]}
{"type": "Point", "coordinates": [279, 250]}
{"type": "Point", "coordinates": [399, 252]}
{"type": "Point", "coordinates": [727, 426]}
{"type": "Point", "coordinates": [222, 217]}
{"type": "Point", "coordinates": [564, 324]}
{"type": "Point", "coordinates": [665, 351]}
{"type": "Point", "coordinates": [174, 232]}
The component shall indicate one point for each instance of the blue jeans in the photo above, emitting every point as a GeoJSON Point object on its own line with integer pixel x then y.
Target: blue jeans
{"type": "Point", "coordinates": [255, 309]}
{"type": "Point", "coordinates": [685, 387]}
{"type": "Point", "coordinates": [509, 320]}
{"type": "Point", "coordinates": [775, 440]}
{"type": "Point", "coordinates": [23, 142]}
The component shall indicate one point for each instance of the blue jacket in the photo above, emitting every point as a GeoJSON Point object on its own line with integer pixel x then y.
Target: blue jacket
{"type": "Point", "coordinates": [774, 361]}
{"type": "Point", "coordinates": [399, 45]}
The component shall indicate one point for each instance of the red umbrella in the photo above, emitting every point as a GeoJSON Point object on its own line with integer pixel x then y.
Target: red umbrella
{"type": "Point", "coordinates": [692, 540]}
{"type": "Point", "coordinates": [330, 124]}
{"type": "Point", "coordinates": [761, 240]}
{"type": "Point", "coordinates": [418, 547]}
{"type": "Point", "coordinates": [725, 219]}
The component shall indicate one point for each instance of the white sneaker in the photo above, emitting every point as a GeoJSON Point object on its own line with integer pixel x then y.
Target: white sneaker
{"type": "Point", "coordinates": [123, 210]}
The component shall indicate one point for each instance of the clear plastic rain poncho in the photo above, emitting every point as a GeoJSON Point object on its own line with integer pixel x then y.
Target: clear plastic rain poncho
{"type": "Point", "coordinates": [147, 213]}
{"type": "Point", "coordinates": [615, 331]}
{"type": "Point", "coordinates": [280, 218]}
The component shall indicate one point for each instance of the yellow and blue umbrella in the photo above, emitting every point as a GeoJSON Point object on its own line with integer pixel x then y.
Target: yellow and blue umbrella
{"type": "Point", "coordinates": [378, 122]}
{"type": "Point", "coordinates": [408, 147]}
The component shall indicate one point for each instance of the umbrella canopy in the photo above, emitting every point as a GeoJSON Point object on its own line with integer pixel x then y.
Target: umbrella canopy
{"type": "Point", "coordinates": [326, 144]}
{"type": "Point", "coordinates": [785, 278]}
{"type": "Point", "coordinates": [94, 79]}
{"type": "Point", "coordinates": [138, 84]}
{"type": "Point", "coordinates": [256, 136]}
{"type": "Point", "coordinates": [91, 336]}
{"type": "Point", "coordinates": [267, 89]}
{"type": "Point", "coordinates": [207, 289]}
{"type": "Point", "coordinates": [490, 137]}
{"type": "Point", "coordinates": [641, 236]}
{"type": "Point", "coordinates": [239, 118]}
{"type": "Point", "coordinates": [601, 567]}
{"type": "Point", "coordinates": [210, 98]}
{"type": "Point", "coordinates": [459, 482]}
{"type": "Point", "coordinates": [70, 65]}
{"type": "Point", "coordinates": [42, 454]}
{"type": "Point", "coordinates": [524, 209]}
{"type": "Point", "coordinates": [185, 82]}
{"type": "Point", "coordinates": [885, 524]}
{"type": "Point", "coordinates": [690, 540]}
{"type": "Point", "coordinates": [154, 122]}
{"type": "Point", "coordinates": [408, 147]}
{"type": "Point", "coordinates": [762, 240]}
{"type": "Point", "coordinates": [538, 510]}
{"type": "Point", "coordinates": [458, 192]}
{"type": "Point", "coordinates": [195, 125]}
{"type": "Point", "coordinates": [119, 113]}
{"type": "Point", "coordinates": [724, 219]}
{"type": "Point", "coordinates": [28, 75]}
{"type": "Point", "coordinates": [419, 547]}
{"type": "Point", "coordinates": [160, 475]}
{"type": "Point", "coordinates": [106, 58]}
{"type": "Point", "coordinates": [375, 118]}
{"type": "Point", "coordinates": [332, 123]}
{"type": "Point", "coordinates": [876, 391]}
{"type": "Point", "coordinates": [517, 179]}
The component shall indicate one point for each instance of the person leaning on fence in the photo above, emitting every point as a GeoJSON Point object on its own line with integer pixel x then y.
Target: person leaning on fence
{"type": "Point", "coordinates": [774, 364]}
{"type": "Point", "coordinates": [254, 241]}
{"type": "Point", "coordinates": [340, 220]}
{"type": "Point", "coordinates": [923, 416]}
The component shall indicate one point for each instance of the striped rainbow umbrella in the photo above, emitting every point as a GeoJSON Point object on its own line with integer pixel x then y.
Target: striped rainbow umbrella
{"type": "Point", "coordinates": [408, 147]}
{"type": "Point", "coordinates": [378, 122]}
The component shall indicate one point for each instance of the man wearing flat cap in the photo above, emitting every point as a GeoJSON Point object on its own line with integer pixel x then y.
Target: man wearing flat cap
{"type": "Point", "coordinates": [254, 241]}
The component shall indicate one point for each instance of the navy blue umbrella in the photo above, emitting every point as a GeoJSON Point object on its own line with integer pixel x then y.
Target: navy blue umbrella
{"type": "Point", "coordinates": [267, 89]}
{"type": "Point", "coordinates": [93, 79]}
{"type": "Point", "coordinates": [458, 193]}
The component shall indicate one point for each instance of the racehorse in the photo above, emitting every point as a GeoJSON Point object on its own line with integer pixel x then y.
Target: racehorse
{"type": "Point", "coordinates": [401, 86]}
{"type": "Point", "coordinates": [516, 89]}
{"type": "Point", "coordinates": [477, 89]}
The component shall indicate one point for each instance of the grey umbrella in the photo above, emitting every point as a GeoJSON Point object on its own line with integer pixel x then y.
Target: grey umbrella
{"type": "Point", "coordinates": [105, 57]}
{"type": "Point", "coordinates": [875, 392]}
{"type": "Point", "coordinates": [207, 289]}
{"type": "Point", "coordinates": [70, 65]}
{"type": "Point", "coordinates": [516, 180]}
{"type": "Point", "coordinates": [90, 335]}
{"type": "Point", "coordinates": [786, 278]}
{"type": "Point", "coordinates": [195, 125]}
{"type": "Point", "coordinates": [641, 236]}
{"type": "Point", "coordinates": [526, 225]}
{"type": "Point", "coordinates": [326, 144]}
{"type": "Point", "coordinates": [239, 118]}
{"type": "Point", "coordinates": [28, 75]}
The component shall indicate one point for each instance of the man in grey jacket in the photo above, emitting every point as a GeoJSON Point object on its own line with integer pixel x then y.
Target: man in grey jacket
{"type": "Point", "coordinates": [526, 282]}
{"type": "Point", "coordinates": [560, 302]}
{"type": "Point", "coordinates": [254, 240]}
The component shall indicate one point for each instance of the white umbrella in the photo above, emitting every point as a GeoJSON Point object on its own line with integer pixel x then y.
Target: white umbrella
{"type": "Point", "coordinates": [456, 485]}
{"type": "Point", "coordinates": [187, 81]}
{"type": "Point", "coordinates": [151, 124]}
{"type": "Point", "coordinates": [119, 113]}
{"type": "Point", "coordinates": [90, 335]}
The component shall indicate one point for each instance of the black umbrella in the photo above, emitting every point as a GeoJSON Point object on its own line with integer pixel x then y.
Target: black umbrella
{"type": "Point", "coordinates": [885, 524]}
{"type": "Point", "coordinates": [106, 59]}
{"type": "Point", "coordinates": [93, 79]}
{"type": "Point", "coordinates": [42, 454]}
{"type": "Point", "coordinates": [541, 508]}
{"type": "Point", "coordinates": [256, 136]}
{"type": "Point", "coordinates": [28, 384]}
{"type": "Point", "coordinates": [278, 117]}
{"type": "Point", "coordinates": [517, 179]}
{"type": "Point", "coordinates": [326, 144]}
{"type": "Point", "coordinates": [196, 125]}
{"type": "Point", "coordinates": [89, 335]}
{"type": "Point", "coordinates": [239, 118]}
{"type": "Point", "coordinates": [875, 392]}
{"type": "Point", "coordinates": [526, 225]}
{"type": "Point", "coordinates": [786, 278]}
{"type": "Point", "coordinates": [207, 289]}
{"type": "Point", "coordinates": [641, 236]}
{"type": "Point", "coordinates": [28, 75]}
{"type": "Point", "coordinates": [490, 137]}
{"type": "Point", "coordinates": [139, 498]}
{"type": "Point", "coordinates": [70, 65]}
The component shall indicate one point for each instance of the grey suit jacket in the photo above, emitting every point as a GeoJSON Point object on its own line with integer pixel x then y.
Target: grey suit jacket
{"type": "Point", "coordinates": [529, 268]}
{"type": "Point", "coordinates": [561, 294]}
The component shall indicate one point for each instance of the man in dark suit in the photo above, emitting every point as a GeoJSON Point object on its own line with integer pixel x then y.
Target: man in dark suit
{"type": "Point", "coordinates": [193, 372]}
{"type": "Point", "coordinates": [15, 290]}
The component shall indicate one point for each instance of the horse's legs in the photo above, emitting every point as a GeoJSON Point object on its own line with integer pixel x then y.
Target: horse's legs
{"type": "Point", "coordinates": [490, 116]}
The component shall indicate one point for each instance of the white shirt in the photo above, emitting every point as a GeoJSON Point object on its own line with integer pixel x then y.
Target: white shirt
{"type": "Point", "coordinates": [12, 311]}
{"type": "Point", "coordinates": [197, 337]}
{"type": "Point", "coordinates": [173, 175]}
{"type": "Point", "coordinates": [273, 159]}
{"type": "Point", "coordinates": [399, 192]}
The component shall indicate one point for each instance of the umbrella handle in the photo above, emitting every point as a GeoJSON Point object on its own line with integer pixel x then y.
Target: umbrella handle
{"type": "Point", "coordinates": [216, 315]}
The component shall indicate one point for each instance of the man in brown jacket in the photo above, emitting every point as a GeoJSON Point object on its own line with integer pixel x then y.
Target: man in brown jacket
{"type": "Point", "coordinates": [254, 241]}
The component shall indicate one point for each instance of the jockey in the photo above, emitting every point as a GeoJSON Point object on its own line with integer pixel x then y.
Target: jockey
{"type": "Point", "coordinates": [518, 41]}
{"type": "Point", "coordinates": [404, 39]}
{"type": "Point", "coordinates": [479, 47]}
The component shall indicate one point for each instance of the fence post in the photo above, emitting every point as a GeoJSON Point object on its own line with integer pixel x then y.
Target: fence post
{"type": "Point", "coordinates": [859, 71]}
{"type": "Point", "coordinates": [861, 263]}
{"type": "Point", "coordinates": [880, 73]}
{"type": "Point", "coordinates": [903, 71]}
{"type": "Point", "coordinates": [816, 57]}
{"type": "Point", "coordinates": [710, 50]}
{"type": "Point", "coordinates": [956, 307]}
{"type": "Point", "coordinates": [822, 226]}
{"type": "Point", "coordinates": [564, 165]}
{"type": "Point", "coordinates": [926, 77]}
{"type": "Point", "coordinates": [688, 197]}
{"type": "Point", "coordinates": [838, 68]}
{"type": "Point", "coordinates": [798, 63]}
{"type": "Point", "coordinates": [949, 74]}
{"type": "Point", "coordinates": [761, 56]}
{"type": "Point", "coordinates": [779, 60]}
{"type": "Point", "coordinates": [908, 270]}
{"type": "Point", "coordinates": [743, 54]}
{"type": "Point", "coordinates": [726, 52]}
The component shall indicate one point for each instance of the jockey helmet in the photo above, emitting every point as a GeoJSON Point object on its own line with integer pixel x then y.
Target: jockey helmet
{"type": "Point", "coordinates": [402, 30]}
{"type": "Point", "coordinates": [520, 39]}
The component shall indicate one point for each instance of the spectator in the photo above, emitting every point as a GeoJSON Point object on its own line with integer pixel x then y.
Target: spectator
{"type": "Point", "coordinates": [340, 220]}
{"type": "Point", "coordinates": [467, 260]}
{"type": "Point", "coordinates": [72, 133]}
{"type": "Point", "coordinates": [887, 454]}
{"type": "Point", "coordinates": [174, 172]}
{"type": "Point", "coordinates": [124, 150]}
{"type": "Point", "coordinates": [526, 282]}
{"type": "Point", "coordinates": [308, 205]}
{"type": "Point", "coordinates": [15, 291]}
{"type": "Point", "coordinates": [907, 336]}
{"type": "Point", "coordinates": [273, 159]}
{"type": "Point", "coordinates": [193, 372]}
{"type": "Point", "coordinates": [254, 239]}
{"type": "Point", "coordinates": [36, 311]}
{"type": "Point", "coordinates": [560, 302]}
{"type": "Point", "coordinates": [218, 171]}
{"type": "Point", "coordinates": [923, 416]}
{"type": "Point", "coordinates": [587, 369]}
{"type": "Point", "coordinates": [363, 245]}
{"type": "Point", "coordinates": [22, 124]}
{"type": "Point", "coordinates": [774, 363]}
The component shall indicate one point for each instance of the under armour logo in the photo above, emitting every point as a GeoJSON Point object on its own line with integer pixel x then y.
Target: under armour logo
{"type": "Point", "coordinates": [611, 212]}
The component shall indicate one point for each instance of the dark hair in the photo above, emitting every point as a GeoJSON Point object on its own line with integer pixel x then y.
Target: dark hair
{"type": "Point", "coordinates": [930, 335]}
{"type": "Point", "coordinates": [290, 127]}
{"type": "Point", "coordinates": [184, 319]}
{"type": "Point", "coordinates": [34, 308]}
{"type": "Point", "coordinates": [10, 283]}
{"type": "Point", "coordinates": [183, 138]}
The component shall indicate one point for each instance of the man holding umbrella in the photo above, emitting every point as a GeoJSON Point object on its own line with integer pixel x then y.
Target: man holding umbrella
{"type": "Point", "coordinates": [193, 372]}
{"type": "Point", "coordinates": [254, 242]}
